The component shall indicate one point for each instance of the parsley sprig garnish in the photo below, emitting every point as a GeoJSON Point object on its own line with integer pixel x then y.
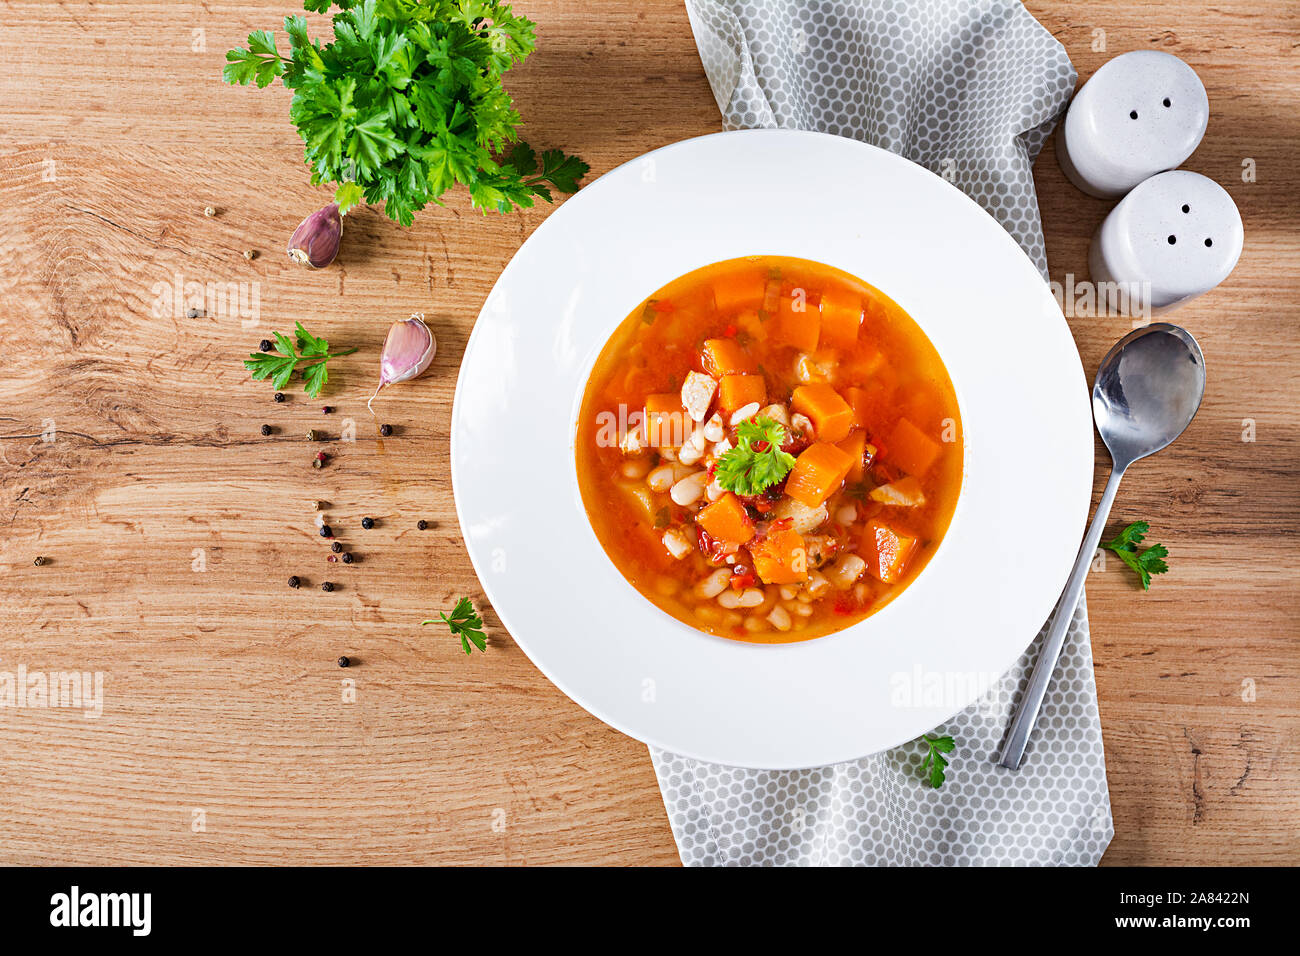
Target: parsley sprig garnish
{"type": "Point", "coordinates": [934, 764]}
{"type": "Point", "coordinates": [310, 355]}
{"type": "Point", "coordinates": [1145, 563]}
{"type": "Point", "coordinates": [407, 100]}
{"type": "Point", "coordinates": [465, 623]}
{"type": "Point", "coordinates": [757, 462]}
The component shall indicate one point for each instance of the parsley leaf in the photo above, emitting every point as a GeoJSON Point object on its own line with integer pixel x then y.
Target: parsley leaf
{"type": "Point", "coordinates": [289, 356]}
{"type": "Point", "coordinates": [747, 470]}
{"type": "Point", "coordinates": [407, 101]}
{"type": "Point", "coordinates": [1145, 563]}
{"type": "Point", "coordinates": [934, 764]}
{"type": "Point", "coordinates": [465, 623]}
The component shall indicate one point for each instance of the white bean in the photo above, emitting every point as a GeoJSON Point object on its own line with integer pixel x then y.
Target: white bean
{"type": "Point", "coordinates": [636, 468]}
{"type": "Point", "coordinates": [744, 413]}
{"type": "Point", "coordinates": [714, 430]}
{"type": "Point", "coordinates": [847, 515]}
{"type": "Point", "coordinates": [714, 491]}
{"type": "Point", "coordinates": [713, 585]}
{"type": "Point", "coordinates": [754, 625]}
{"type": "Point", "coordinates": [779, 618]}
{"type": "Point", "coordinates": [802, 423]}
{"type": "Point", "coordinates": [730, 599]}
{"type": "Point", "coordinates": [661, 479]}
{"type": "Point", "coordinates": [693, 450]}
{"type": "Point", "coordinates": [677, 544]}
{"type": "Point", "coordinates": [750, 597]}
{"type": "Point", "coordinates": [846, 570]}
{"type": "Point", "coordinates": [777, 413]}
{"type": "Point", "coordinates": [803, 610]}
{"type": "Point", "coordinates": [788, 593]}
{"type": "Point", "coordinates": [708, 613]}
{"type": "Point", "coordinates": [690, 489]}
{"type": "Point", "coordinates": [817, 584]}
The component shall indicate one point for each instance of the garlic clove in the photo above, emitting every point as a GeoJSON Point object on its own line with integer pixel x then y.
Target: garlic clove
{"type": "Point", "coordinates": [408, 350]}
{"type": "Point", "coordinates": [316, 241]}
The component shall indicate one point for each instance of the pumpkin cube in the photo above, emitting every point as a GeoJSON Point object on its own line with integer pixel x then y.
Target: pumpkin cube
{"type": "Point", "coordinates": [726, 357]}
{"type": "Point", "coordinates": [737, 391]}
{"type": "Point", "coordinates": [665, 420]}
{"type": "Point", "coordinates": [817, 473]}
{"type": "Point", "coordinates": [910, 448]}
{"type": "Point", "coordinates": [796, 324]}
{"type": "Point", "coordinates": [739, 290]}
{"type": "Point", "coordinates": [841, 317]}
{"type": "Point", "coordinates": [780, 558]}
{"type": "Point", "coordinates": [832, 417]}
{"type": "Point", "coordinates": [886, 551]}
{"type": "Point", "coordinates": [726, 520]}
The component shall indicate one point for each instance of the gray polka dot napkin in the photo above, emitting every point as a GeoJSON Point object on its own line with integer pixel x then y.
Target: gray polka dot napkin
{"type": "Point", "coordinates": [969, 89]}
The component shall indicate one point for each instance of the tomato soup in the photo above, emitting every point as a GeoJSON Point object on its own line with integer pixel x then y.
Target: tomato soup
{"type": "Point", "coordinates": [769, 449]}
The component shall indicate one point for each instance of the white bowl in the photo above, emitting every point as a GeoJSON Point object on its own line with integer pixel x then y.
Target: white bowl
{"type": "Point", "coordinates": [1024, 403]}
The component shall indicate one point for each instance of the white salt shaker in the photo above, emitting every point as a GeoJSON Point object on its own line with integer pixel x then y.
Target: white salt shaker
{"type": "Point", "coordinates": [1142, 113]}
{"type": "Point", "coordinates": [1172, 238]}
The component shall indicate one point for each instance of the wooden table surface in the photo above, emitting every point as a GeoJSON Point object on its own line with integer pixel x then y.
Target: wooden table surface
{"type": "Point", "coordinates": [131, 457]}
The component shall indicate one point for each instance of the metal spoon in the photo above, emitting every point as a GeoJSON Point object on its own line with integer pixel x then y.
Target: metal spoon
{"type": "Point", "coordinates": [1148, 389]}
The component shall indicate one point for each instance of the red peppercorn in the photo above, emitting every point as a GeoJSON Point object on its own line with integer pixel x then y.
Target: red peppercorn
{"type": "Point", "coordinates": [322, 457]}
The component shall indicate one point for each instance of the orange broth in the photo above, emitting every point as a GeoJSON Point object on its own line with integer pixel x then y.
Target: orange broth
{"type": "Point", "coordinates": [863, 407]}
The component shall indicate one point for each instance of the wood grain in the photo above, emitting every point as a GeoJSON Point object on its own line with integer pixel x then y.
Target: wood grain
{"type": "Point", "coordinates": [222, 691]}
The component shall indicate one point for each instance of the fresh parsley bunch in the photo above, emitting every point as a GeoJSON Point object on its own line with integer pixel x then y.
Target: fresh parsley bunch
{"type": "Point", "coordinates": [757, 462]}
{"type": "Point", "coordinates": [407, 101]}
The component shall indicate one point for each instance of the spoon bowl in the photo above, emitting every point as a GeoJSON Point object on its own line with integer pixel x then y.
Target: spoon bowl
{"type": "Point", "coordinates": [1148, 389]}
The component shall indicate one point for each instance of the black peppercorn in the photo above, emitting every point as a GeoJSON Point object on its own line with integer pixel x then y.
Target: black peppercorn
{"type": "Point", "coordinates": [327, 409]}
{"type": "Point", "coordinates": [279, 396]}
{"type": "Point", "coordinates": [265, 345]}
{"type": "Point", "coordinates": [367, 523]}
{"type": "Point", "coordinates": [385, 430]}
{"type": "Point", "coordinates": [336, 547]}
{"type": "Point", "coordinates": [327, 586]}
{"type": "Point", "coordinates": [294, 582]}
{"type": "Point", "coordinates": [347, 558]}
{"type": "Point", "coordinates": [344, 662]}
{"type": "Point", "coordinates": [266, 429]}
{"type": "Point", "coordinates": [326, 531]}
{"type": "Point", "coordinates": [39, 561]}
{"type": "Point", "coordinates": [422, 524]}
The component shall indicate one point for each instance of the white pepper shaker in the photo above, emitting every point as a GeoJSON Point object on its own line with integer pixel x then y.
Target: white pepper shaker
{"type": "Point", "coordinates": [1172, 238]}
{"type": "Point", "coordinates": [1142, 113]}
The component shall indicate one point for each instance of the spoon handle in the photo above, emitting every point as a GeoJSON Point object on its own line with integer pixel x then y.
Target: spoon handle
{"type": "Point", "coordinates": [1026, 715]}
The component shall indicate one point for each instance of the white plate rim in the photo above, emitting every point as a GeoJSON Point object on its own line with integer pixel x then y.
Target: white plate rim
{"type": "Point", "coordinates": [1075, 500]}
